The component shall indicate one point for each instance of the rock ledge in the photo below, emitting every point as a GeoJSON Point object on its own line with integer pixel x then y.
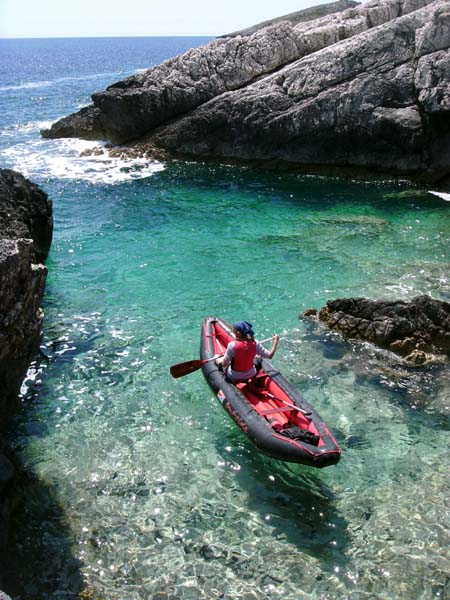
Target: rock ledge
{"type": "Point", "coordinates": [418, 330]}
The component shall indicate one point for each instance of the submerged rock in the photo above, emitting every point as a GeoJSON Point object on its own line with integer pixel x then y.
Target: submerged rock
{"type": "Point", "coordinates": [6, 472]}
{"type": "Point", "coordinates": [418, 330]}
{"type": "Point", "coordinates": [364, 88]}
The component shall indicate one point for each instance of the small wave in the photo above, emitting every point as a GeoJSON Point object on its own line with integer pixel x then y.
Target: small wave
{"type": "Point", "coordinates": [26, 128]}
{"type": "Point", "coordinates": [65, 159]}
{"type": "Point", "coordinates": [25, 86]}
{"type": "Point", "coordinates": [46, 83]}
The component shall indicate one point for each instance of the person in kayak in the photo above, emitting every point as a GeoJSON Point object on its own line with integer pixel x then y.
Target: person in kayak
{"type": "Point", "coordinates": [239, 359]}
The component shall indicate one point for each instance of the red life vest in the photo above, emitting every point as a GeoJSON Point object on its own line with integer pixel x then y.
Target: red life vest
{"type": "Point", "coordinates": [244, 353]}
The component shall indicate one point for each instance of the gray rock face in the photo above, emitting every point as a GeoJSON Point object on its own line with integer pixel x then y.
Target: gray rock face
{"type": "Point", "coordinates": [6, 474]}
{"type": "Point", "coordinates": [25, 237]}
{"type": "Point", "coordinates": [131, 108]}
{"type": "Point", "coordinates": [300, 16]}
{"type": "Point", "coordinates": [416, 330]}
{"type": "Point", "coordinates": [373, 101]}
{"type": "Point", "coordinates": [25, 212]}
{"type": "Point", "coordinates": [21, 288]}
{"type": "Point", "coordinates": [367, 87]}
{"type": "Point", "coordinates": [22, 284]}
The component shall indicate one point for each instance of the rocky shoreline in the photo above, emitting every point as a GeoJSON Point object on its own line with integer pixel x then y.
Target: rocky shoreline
{"type": "Point", "coordinates": [26, 226]}
{"type": "Point", "coordinates": [366, 88]}
{"type": "Point", "coordinates": [418, 330]}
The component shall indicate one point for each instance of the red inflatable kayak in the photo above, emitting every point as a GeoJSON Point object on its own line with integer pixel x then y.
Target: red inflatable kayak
{"type": "Point", "coordinates": [268, 409]}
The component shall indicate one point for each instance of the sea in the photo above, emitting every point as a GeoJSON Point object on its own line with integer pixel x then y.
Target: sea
{"type": "Point", "coordinates": [139, 486]}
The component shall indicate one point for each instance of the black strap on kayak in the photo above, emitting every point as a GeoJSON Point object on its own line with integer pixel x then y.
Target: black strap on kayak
{"type": "Point", "coordinates": [295, 433]}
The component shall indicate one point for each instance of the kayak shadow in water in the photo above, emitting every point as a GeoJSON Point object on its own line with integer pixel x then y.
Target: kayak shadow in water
{"type": "Point", "coordinates": [38, 560]}
{"type": "Point", "coordinates": [294, 501]}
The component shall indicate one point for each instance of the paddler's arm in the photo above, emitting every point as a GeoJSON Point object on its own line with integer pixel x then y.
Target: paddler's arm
{"type": "Point", "coordinates": [225, 360]}
{"type": "Point", "coordinates": [276, 339]}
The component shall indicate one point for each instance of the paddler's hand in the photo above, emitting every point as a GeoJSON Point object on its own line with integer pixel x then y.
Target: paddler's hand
{"type": "Point", "coordinates": [276, 339]}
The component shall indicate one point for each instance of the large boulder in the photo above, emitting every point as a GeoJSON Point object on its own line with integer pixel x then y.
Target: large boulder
{"type": "Point", "coordinates": [418, 330]}
{"type": "Point", "coordinates": [366, 88]}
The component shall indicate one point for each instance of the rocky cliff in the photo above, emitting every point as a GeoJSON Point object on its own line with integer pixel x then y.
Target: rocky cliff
{"type": "Point", "coordinates": [25, 212]}
{"type": "Point", "coordinates": [300, 16]}
{"type": "Point", "coordinates": [365, 88]}
{"type": "Point", "coordinates": [25, 238]}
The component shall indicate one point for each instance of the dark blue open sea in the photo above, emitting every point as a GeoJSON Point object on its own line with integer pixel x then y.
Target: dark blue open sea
{"type": "Point", "coordinates": [140, 485]}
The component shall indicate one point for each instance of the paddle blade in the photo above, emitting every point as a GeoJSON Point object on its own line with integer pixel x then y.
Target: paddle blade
{"type": "Point", "coordinates": [185, 368]}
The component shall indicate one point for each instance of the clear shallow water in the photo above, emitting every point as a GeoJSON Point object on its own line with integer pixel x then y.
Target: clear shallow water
{"type": "Point", "coordinates": [143, 486]}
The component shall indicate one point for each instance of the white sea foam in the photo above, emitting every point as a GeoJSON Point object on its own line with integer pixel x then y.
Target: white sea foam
{"type": "Point", "coordinates": [16, 130]}
{"type": "Point", "coordinates": [29, 85]}
{"type": "Point", "coordinates": [63, 159]}
{"type": "Point", "coordinates": [442, 195]}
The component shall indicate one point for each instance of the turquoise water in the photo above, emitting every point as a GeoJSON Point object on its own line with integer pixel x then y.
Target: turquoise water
{"type": "Point", "coordinates": [143, 486]}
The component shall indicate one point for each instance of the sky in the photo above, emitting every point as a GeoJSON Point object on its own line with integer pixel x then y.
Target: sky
{"type": "Point", "coordinates": [92, 18]}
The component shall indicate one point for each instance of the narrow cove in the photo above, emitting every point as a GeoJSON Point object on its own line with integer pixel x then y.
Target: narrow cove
{"type": "Point", "coordinates": [162, 492]}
